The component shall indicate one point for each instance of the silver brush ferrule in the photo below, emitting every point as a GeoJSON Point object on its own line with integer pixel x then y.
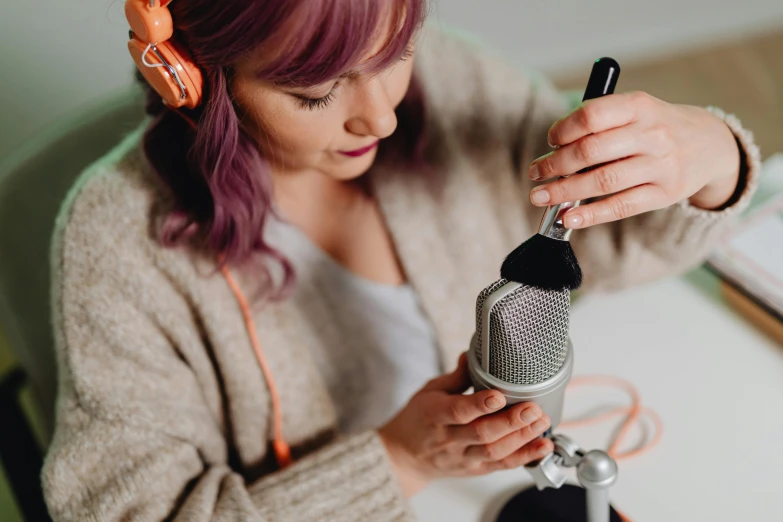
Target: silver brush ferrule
{"type": "Point", "coordinates": [552, 222]}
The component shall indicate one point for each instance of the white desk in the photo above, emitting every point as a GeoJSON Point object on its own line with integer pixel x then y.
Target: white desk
{"type": "Point", "coordinates": [716, 382]}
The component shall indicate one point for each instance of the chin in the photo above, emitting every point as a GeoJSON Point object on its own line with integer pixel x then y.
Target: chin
{"type": "Point", "coordinates": [353, 168]}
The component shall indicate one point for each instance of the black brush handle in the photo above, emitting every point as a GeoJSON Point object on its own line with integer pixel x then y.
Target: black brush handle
{"type": "Point", "coordinates": [603, 78]}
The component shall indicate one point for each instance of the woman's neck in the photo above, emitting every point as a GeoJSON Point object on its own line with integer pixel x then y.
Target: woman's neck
{"type": "Point", "coordinates": [310, 198]}
{"type": "Point", "coordinates": [343, 219]}
{"type": "Point", "coordinates": [323, 207]}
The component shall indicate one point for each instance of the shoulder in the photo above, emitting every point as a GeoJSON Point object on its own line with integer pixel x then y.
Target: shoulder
{"type": "Point", "coordinates": [117, 295]}
{"type": "Point", "coordinates": [105, 255]}
{"type": "Point", "coordinates": [445, 54]}
{"type": "Point", "coordinates": [108, 214]}
{"type": "Point", "coordinates": [467, 84]}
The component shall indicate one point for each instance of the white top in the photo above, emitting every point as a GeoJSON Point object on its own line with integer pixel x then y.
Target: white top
{"type": "Point", "coordinates": [382, 330]}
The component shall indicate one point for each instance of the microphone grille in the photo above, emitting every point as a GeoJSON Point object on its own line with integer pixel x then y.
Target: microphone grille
{"type": "Point", "coordinates": [528, 333]}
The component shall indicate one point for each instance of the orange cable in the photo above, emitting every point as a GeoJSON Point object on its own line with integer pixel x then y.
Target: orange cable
{"type": "Point", "coordinates": [281, 448]}
{"type": "Point", "coordinates": [633, 413]}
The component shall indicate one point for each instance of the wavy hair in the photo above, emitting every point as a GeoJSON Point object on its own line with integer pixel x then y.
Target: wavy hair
{"type": "Point", "coordinates": [221, 184]}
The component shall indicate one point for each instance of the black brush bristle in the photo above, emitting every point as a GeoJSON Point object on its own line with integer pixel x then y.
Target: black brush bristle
{"type": "Point", "coordinates": [545, 263]}
{"type": "Point", "coordinates": [549, 263]}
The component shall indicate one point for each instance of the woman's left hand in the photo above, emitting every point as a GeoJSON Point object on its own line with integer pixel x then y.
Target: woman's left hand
{"type": "Point", "coordinates": [649, 155]}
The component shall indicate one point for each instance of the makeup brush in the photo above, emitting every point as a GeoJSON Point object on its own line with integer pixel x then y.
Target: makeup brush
{"type": "Point", "coordinates": [547, 260]}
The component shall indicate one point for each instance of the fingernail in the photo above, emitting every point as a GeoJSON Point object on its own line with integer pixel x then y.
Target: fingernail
{"type": "Point", "coordinates": [531, 414]}
{"type": "Point", "coordinates": [493, 403]}
{"type": "Point", "coordinates": [534, 172]}
{"type": "Point", "coordinates": [540, 196]}
{"type": "Point", "coordinates": [574, 220]}
{"type": "Point", "coordinates": [549, 142]}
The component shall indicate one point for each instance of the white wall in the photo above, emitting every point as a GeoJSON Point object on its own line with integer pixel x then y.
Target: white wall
{"type": "Point", "coordinates": [58, 55]}
{"type": "Point", "coordinates": [553, 35]}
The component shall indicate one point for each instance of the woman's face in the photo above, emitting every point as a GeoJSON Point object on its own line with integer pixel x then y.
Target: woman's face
{"type": "Point", "coordinates": [332, 128]}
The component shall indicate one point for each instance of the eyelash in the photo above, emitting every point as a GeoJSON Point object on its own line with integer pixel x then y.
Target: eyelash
{"type": "Point", "coordinates": [313, 104]}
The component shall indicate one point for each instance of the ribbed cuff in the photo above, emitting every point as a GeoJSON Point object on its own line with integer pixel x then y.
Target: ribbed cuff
{"type": "Point", "coordinates": [749, 176]}
{"type": "Point", "coordinates": [349, 480]}
{"type": "Point", "coordinates": [687, 226]}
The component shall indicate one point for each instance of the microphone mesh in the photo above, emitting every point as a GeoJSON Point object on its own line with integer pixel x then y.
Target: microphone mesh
{"type": "Point", "coordinates": [528, 333]}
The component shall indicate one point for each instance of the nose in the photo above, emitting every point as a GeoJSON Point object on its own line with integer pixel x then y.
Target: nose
{"type": "Point", "coordinates": [373, 113]}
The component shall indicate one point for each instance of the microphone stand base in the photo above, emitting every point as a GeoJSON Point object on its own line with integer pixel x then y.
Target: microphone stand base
{"type": "Point", "coordinates": [566, 504]}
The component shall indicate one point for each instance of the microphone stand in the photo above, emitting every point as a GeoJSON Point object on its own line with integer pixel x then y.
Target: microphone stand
{"type": "Point", "coordinates": [595, 470]}
{"type": "Point", "coordinates": [554, 501]}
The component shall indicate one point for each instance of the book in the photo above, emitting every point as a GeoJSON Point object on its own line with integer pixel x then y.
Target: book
{"type": "Point", "coordinates": [749, 261]}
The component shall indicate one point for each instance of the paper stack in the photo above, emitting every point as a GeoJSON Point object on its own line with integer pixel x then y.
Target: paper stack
{"type": "Point", "coordinates": [750, 261]}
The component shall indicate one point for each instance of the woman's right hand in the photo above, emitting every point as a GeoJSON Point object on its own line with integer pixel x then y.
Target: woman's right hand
{"type": "Point", "coordinates": [443, 433]}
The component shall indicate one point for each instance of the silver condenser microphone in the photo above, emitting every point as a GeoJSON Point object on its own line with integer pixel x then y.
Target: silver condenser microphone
{"type": "Point", "coordinates": [522, 349]}
{"type": "Point", "coordinates": [521, 345]}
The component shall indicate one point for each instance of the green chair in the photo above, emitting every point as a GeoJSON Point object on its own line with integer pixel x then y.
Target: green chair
{"type": "Point", "coordinates": [33, 183]}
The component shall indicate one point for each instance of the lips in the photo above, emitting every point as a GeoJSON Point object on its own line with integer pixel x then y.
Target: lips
{"type": "Point", "coordinates": [359, 152]}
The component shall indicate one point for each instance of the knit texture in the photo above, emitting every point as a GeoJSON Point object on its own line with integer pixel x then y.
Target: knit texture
{"type": "Point", "coordinates": [163, 412]}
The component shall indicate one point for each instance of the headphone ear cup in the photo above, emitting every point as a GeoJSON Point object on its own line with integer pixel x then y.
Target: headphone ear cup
{"type": "Point", "coordinates": [150, 24]}
{"type": "Point", "coordinates": [188, 71]}
{"type": "Point", "coordinates": [160, 78]}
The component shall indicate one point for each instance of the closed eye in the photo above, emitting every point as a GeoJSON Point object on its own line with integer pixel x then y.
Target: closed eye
{"type": "Point", "coordinates": [313, 104]}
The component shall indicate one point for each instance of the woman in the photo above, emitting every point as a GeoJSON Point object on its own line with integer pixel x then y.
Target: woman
{"type": "Point", "coordinates": [345, 189]}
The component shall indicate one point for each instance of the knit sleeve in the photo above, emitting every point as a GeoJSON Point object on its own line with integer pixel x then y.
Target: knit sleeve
{"type": "Point", "coordinates": [137, 437]}
{"type": "Point", "coordinates": [109, 470]}
{"type": "Point", "coordinates": [655, 244]}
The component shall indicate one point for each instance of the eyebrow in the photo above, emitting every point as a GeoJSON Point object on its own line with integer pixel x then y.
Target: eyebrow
{"type": "Point", "coordinates": [348, 74]}
{"type": "Point", "coordinates": [344, 75]}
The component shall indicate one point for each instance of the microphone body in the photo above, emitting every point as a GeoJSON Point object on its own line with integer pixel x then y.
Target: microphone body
{"type": "Point", "coordinates": [521, 346]}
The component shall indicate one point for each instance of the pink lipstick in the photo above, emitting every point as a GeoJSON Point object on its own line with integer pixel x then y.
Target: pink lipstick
{"type": "Point", "coordinates": [359, 152]}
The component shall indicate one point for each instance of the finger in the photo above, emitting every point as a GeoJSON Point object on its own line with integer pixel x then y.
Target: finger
{"type": "Point", "coordinates": [588, 151]}
{"type": "Point", "coordinates": [492, 428]}
{"type": "Point", "coordinates": [457, 381]}
{"type": "Point", "coordinates": [463, 409]}
{"type": "Point", "coordinates": [608, 179]}
{"type": "Point", "coordinates": [504, 447]}
{"type": "Point", "coordinates": [530, 452]}
{"type": "Point", "coordinates": [598, 115]}
{"type": "Point", "coordinates": [620, 206]}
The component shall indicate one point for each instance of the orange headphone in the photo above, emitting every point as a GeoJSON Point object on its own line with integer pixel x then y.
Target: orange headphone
{"type": "Point", "coordinates": [164, 64]}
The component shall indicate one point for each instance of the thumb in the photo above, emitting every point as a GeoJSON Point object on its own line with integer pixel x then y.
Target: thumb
{"type": "Point", "coordinates": [455, 382]}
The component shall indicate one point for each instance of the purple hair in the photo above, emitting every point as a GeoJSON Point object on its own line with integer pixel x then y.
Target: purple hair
{"type": "Point", "coordinates": [221, 185]}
